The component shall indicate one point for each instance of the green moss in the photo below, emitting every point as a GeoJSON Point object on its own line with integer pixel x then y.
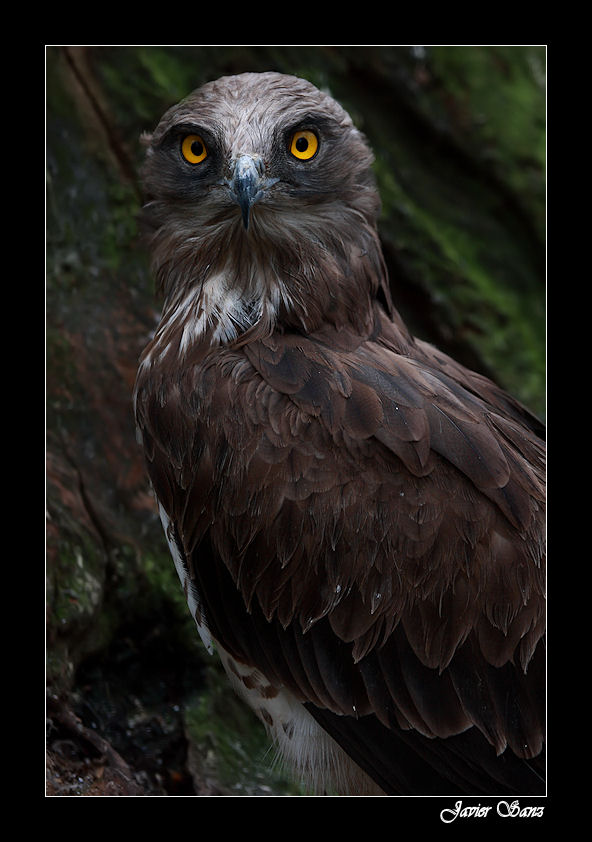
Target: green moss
{"type": "Point", "coordinates": [502, 88]}
{"type": "Point", "coordinates": [162, 580]}
{"type": "Point", "coordinates": [120, 229]}
{"type": "Point", "coordinates": [453, 235]}
{"type": "Point", "coordinates": [496, 95]}
{"type": "Point", "coordinates": [76, 622]}
{"type": "Point", "coordinates": [76, 584]}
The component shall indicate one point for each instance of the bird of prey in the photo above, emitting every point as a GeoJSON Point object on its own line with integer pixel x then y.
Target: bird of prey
{"type": "Point", "coordinates": [356, 519]}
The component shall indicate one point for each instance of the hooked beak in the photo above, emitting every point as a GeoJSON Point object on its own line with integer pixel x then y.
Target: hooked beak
{"type": "Point", "coordinates": [248, 183]}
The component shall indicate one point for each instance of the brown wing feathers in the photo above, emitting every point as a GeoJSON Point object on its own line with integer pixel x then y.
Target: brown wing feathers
{"type": "Point", "coordinates": [372, 515]}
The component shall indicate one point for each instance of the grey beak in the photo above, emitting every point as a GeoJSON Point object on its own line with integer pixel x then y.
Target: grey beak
{"type": "Point", "coordinates": [248, 184]}
{"type": "Point", "coordinates": [245, 185]}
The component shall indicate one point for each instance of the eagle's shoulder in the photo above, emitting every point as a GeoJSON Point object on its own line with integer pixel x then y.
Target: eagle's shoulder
{"type": "Point", "coordinates": [385, 394]}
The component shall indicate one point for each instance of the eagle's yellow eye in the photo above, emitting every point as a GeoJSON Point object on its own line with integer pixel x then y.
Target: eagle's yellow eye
{"type": "Point", "coordinates": [304, 145]}
{"type": "Point", "coordinates": [193, 149]}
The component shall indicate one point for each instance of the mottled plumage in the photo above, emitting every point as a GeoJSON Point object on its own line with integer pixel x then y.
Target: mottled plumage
{"type": "Point", "coordinates": [356, 518]}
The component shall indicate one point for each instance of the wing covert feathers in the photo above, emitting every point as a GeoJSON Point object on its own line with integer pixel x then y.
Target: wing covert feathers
{"type": "Point", "coordinates": [365, 526]}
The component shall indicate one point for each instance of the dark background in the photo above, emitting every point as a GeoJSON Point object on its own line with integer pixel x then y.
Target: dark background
{"type": "Point", "coordinates": [134, 704]}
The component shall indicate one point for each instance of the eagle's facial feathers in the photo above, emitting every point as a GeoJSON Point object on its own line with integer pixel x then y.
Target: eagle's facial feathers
{"type": "Point", "coordinates": [257, 203]}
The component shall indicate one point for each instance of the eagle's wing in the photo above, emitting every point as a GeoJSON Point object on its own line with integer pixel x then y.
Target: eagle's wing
{"type": "Point", "coordinates": [366, 530]}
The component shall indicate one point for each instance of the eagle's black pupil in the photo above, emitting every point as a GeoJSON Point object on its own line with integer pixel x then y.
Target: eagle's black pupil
{"type": "Point", "coordinates": [197, 148]}
{"type": "Point", "coordinates": [302, 144]}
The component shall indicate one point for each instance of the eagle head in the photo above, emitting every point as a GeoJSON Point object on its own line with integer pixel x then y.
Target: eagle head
{"type": "Point", "coordinates": [261, 201]}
